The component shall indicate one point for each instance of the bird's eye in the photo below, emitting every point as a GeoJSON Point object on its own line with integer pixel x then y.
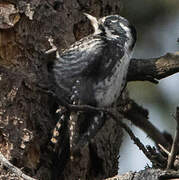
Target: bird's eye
{"type": "Point", "coordinates": [107, 22]}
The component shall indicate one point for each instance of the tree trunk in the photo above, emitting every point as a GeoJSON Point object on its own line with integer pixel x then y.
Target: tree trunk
{"type": "Point", "coordinates": [27, 116]}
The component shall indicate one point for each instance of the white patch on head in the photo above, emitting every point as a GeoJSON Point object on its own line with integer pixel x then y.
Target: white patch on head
{"type": "Point", "coordinates": [114, 21]}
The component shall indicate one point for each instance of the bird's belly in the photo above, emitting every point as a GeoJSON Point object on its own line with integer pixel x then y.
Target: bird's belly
{"type": "Point", "coordinates": [108, 90]}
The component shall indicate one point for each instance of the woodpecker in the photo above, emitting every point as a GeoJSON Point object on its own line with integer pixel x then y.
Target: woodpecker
{"type": "Point", "coordinates": [98, 62]}
{"type": "Point", "coordinates": [94, 69]}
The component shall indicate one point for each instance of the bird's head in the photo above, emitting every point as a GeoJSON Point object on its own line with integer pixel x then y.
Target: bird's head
{"type": "Point", "coordinates": [114, 26]}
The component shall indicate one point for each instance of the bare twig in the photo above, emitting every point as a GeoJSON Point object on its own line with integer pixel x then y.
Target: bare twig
{"type": "Point", "coordinates": [53, 48]}
{"type": "Point", "coordinates": [163, 149]}
{"type": "Point", "coordinates": [133, 137]}
{"type": "Point", "coordinates": [159, 161]}
{"type": "Point", "coordinates": [153, 69]}
{"type": "Point", "coordinates": [13, 169]}
{"type": "Point", "coordinates": [174, 149]}
{"type": "Point", "coordinates": [86, 108]}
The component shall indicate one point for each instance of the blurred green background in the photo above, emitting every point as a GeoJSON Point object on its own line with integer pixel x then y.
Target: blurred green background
{"type": "Point", "coordinates": [157, 24]}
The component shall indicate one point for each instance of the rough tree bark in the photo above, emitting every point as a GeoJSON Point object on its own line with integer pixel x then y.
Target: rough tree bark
{"type": "Point", "coordinates": [26, 115]}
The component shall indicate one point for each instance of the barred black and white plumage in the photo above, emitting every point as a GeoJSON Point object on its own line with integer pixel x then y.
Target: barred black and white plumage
{"type": "Point", "coordinates": [96, 64]}
{"type": "Point", "coordinates": [99, 61]}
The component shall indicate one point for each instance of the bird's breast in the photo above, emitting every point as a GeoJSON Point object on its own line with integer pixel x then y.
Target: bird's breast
{"type": "Point", "coordinates": [109, 89]}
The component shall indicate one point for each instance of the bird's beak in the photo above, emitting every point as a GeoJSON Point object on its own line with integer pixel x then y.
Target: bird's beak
{"type": "Point", "coordinates": [94, 22]}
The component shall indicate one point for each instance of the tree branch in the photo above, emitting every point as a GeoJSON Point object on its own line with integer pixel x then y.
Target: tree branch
{"type": "Point", "coordinates": [139, 117]}
{"type": "Point", "coordinates": [153, 69]}
{"type": "Point", "coordinates": [13, 168]}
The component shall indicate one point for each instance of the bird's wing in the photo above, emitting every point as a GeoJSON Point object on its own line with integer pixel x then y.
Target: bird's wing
{"type": "Point", "coordinates": [80, 59]}
{"type": "Point", "coordinates": [88, 56]}
{"type": "Point", "coordinates": [89, 61]}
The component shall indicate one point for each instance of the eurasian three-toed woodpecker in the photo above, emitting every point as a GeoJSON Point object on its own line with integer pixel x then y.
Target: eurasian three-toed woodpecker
{"type": "Point", "coordinates": [99, 62]}
{"type": "Point", "coordinates": [94, 68]}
